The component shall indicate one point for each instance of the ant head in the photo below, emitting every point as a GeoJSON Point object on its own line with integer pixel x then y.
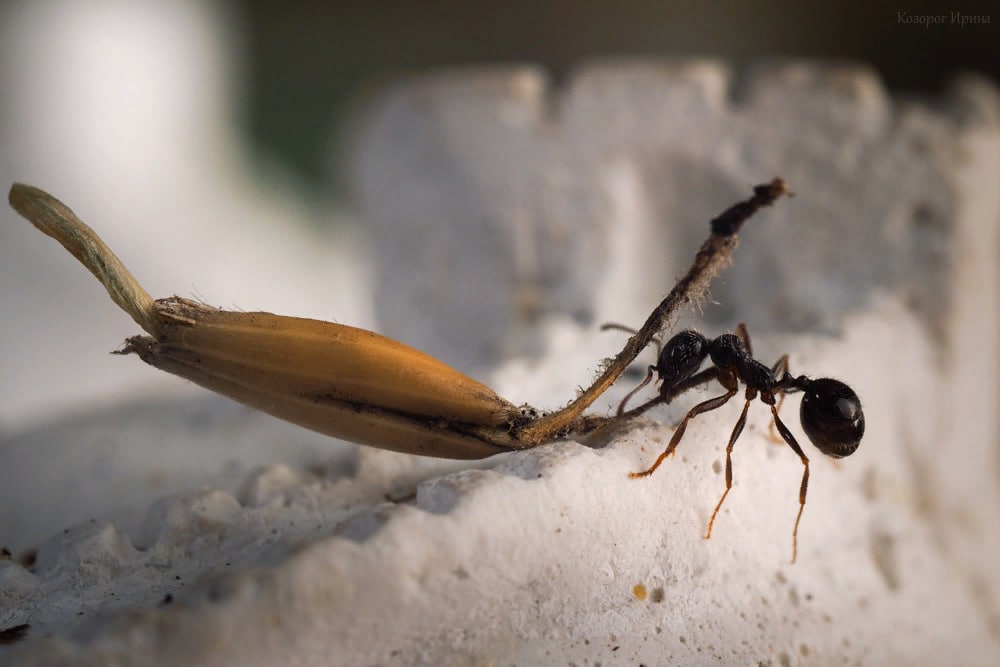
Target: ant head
{"type": "Point", "coordinates": [681, 357]}
{"type": "Point", "coordinates": [832, 417]}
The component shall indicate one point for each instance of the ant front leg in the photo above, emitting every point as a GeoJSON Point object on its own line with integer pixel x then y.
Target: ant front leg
{"type": "Point", "coordinates": [737, 430]}
{"type": "Point", "coordinates": [790, 439]}
{"type": "Point", "coordinates": [621, 406]}
{"type": "Point", "coordinates": [729, 381]}
{"type": "Point", "coordinates": [669, 393]}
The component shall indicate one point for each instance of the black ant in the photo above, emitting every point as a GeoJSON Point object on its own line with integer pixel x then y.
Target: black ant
{"type": "Point", "coordinates": [830, 413]}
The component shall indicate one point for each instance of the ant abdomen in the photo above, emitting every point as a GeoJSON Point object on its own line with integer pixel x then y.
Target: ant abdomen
{"type": "Point", "coordinates": [832, 417]}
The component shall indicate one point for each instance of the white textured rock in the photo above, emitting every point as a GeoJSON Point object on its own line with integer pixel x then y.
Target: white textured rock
{"type": "Point", "coordinates": [553, 555]}
{"type": "Point", "coordinates": [494, 199]}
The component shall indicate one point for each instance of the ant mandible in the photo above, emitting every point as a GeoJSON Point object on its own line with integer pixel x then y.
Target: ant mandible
{"type": "Point", "coordinates": [830, 413]}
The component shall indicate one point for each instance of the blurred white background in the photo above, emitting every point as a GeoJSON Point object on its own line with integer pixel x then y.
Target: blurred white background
{"type": "Point", "coordinates": [127, 113]}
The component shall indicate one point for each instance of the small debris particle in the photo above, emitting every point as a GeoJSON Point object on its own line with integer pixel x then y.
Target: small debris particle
{"type": "Point", "coordinates": [14, 633]}
{"type": "Point", "coordinates": [28, 558]}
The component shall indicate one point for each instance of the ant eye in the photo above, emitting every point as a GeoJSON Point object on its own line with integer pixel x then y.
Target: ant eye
{"type": "Point", "coordinates": [681, 357]}
{"type": "Point", "coordinates": [832, 417]}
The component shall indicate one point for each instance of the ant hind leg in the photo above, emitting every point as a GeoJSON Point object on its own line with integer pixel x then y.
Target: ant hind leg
{"type": "Point", "coordinates": [804, 486]}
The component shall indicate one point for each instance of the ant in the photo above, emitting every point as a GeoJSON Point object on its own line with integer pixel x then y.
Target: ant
{"type": "Point", "coordinates": [830, 413]}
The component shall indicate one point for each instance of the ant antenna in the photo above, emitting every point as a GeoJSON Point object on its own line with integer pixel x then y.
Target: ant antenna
{"type": "Point", "coordinates": [614, 326]}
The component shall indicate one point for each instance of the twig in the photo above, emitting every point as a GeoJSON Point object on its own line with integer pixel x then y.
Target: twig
{"type": "Point", "coordinates": [714, 255]}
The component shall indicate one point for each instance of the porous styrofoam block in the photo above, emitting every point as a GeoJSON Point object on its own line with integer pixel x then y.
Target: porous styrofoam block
{"type": "Point", "coordinates": [554, 555]}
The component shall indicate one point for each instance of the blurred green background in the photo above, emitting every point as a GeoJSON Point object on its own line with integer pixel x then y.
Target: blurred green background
{"type": "Point", "coordinates": [311, 62]}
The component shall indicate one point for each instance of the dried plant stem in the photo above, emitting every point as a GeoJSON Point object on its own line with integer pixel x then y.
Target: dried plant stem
{"type": "Point", "coordinates": [352, 383]}
{"type": "Point", "coordinates": [714, 255]}
{"type": "Point", "coordinates": [55, 219]}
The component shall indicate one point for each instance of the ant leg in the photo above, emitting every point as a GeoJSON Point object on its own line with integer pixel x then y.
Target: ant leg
{"type": "Point", "coordinates": [668, 394]}
{"type": "Point", "coordinates": [710, 404]}
{"type": "Point", "coordinates": [790, 439]}
{"type": "Point", "coordinates": [741, 331]}
{"type": "Point", "coordinates": [780, 366]}
{"type": "Point", "coordinates": [779, 369]}
{"type": "Point", "coordinates": [737, 430]}
{"type": "Point", "coordinates": [649, 376]}
{"type": "Point", "coordinates": [771, 435]}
